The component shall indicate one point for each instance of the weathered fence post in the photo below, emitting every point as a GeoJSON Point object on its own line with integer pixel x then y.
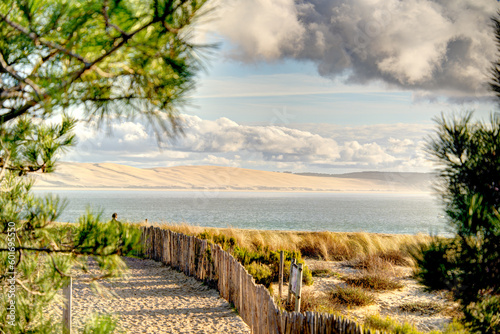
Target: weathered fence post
{"type": "Point", "coordinates": [299, 288]}
{"type": "Point", "coordinates": [282, 261]}
{"type": "Point", "coordinates": [67, 307]}
{"type": "Point", "coordinates": [289, 281]}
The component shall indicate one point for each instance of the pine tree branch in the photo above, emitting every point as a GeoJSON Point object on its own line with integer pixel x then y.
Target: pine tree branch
{"type": "Point", "coordinates": [57, 268]}
{"type": "Point", "coordinates": [39, 40]}
{"type": "Point", "coordinates": [4, 67]}
{"type": "Point", "coordinates": [106, 18]}
{"type": "Point", "coordinates": [17, 112]}
{"type": "Point", "coordinates": [28, 290]}
{"type": "Point", "coordinates": [45, 250]}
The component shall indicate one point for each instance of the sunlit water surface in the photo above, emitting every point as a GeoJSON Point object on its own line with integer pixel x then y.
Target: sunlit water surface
{"type": "Point", "coordinates": [380, 213]}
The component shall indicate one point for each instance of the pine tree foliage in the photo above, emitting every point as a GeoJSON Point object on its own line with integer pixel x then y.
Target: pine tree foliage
{"type": "Point", "coordinates": [109, 59]}
{"type": "Point", "coordinates": [468, 153]}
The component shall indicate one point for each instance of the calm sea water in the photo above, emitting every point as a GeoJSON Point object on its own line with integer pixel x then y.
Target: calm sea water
{"type": "Point", "coordinates": [380, 213]}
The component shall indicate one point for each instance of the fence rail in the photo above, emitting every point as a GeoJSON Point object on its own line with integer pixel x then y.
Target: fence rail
{"type": "Point", "coordinates": [210, 263]}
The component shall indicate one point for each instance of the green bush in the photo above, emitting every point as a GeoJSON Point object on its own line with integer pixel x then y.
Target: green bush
{"type": "Point", "coordinates": [261, 272]}
{"type": "Point", "coordinates": [484, 316]}
{"type": "Point", "coordinates": [436, 264]}
{"type": "Point", "coordinates": [100, 324]}
{"type": "Point", "coordinates": [389, 325]}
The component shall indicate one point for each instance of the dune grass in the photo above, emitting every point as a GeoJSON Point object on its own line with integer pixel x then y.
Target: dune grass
{"type": "Point", "coordinates": [373, 281]}
{"type": "Point", "coordinates": [331, 246]}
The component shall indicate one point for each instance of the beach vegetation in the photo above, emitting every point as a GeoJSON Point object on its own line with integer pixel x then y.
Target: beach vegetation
{"type": "Point", "coordinates": [329, 246]}
{"type": "Point", "coordinates": [311, 301]}
{"type": "Point", "coordinates": [389, 325]}
{"type": "Point", "coordinates": [260, 261]}
{"type": "Point", "coordinates": [483, 316]}
{"type": "Point", "coordinates": [100, 324]}
{"type": "Point", "coordinates": [468, 264]}
{"type": "Point", "coordinates": [424, 308]}
{"type": "Point", "coordinates": [323, 272]}
{"type": "Point", "coordinates": [261, 273]}
{"type": "Point", "coordinates": [104, 61]}
{"type": "Point", "coordinates": [350, 296]}
{"type": "Point", "coordinates": [373, 281]}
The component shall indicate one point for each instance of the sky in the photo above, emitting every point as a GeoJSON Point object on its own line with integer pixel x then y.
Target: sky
{"type": "Point", "coordinates": [325, 86]}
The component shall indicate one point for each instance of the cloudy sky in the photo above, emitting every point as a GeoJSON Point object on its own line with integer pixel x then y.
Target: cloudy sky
{"type": "Point", "coordinates": [326, 86]}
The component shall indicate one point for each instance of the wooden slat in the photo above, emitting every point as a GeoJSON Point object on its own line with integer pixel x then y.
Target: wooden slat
{"type": "Point", "coordinates": [251, 304]}
{"type": "Point", "coordinates": [272, 320]}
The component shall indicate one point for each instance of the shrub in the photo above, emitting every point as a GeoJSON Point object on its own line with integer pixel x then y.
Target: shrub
{"type": "Point", "coordinates": [323, 272]}
{"type": "Point", "coordinates": [484, 316]}
{"type": "Point", "coordinates": [261, 272]}
{"type": "Point", "coordinates": [389, 325]}
{"type": "Point", "coordinates": [351, 296]}
{"type": "Point", "coordinates": [436, 264]}
{"type": "Point", "coordinates": [100, 324]}
{"type": "Point", "coordinates": [424, 308]}
{"type": "Point", "coordinates": [376, 282]}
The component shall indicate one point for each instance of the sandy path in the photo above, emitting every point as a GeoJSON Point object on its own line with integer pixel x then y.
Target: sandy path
{"type": "Point", "coordinates": [157, 299]}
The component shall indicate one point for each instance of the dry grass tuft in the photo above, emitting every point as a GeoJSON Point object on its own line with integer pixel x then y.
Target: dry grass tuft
{"type": "Point", "coordinates": [323, 273]}
{"type": "Point", "coordinates": [396, 257]}
{"type": "Point", "coordinates": [351, 296]}
{"type": "Point", "coordinates": [373, 281]}
{"type": "Point", "coordinates": [313, 302]}
{"type": "Point", "coordinates": [423, 308]}
{"type": "Point", "coordinates": [371, 263]}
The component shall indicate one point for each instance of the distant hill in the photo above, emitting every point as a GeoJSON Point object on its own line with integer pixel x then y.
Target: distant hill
{"type": "Point", "coordinates": [114, 176]}
{"type": "Point", "coordinates": [418, 180]}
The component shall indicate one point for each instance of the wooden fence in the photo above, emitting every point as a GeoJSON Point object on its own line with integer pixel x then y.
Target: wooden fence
{"type": "Point", "coordinates": [210, 263]}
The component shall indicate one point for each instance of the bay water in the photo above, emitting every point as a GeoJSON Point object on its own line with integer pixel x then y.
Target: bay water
{"type": "Point", "coordinates": [337, 212]}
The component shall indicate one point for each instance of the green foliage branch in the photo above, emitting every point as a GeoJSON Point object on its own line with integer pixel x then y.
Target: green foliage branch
{"type": "Point", "coordinates": [111, 59]}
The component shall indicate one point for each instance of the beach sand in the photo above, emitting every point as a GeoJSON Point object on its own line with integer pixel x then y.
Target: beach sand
{"type": "Point", "coordinates": [387, 303]}
{"type": "Point", "coordinates": [157, 299]}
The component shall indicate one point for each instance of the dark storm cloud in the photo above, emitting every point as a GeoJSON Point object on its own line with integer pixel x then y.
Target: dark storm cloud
{"type": "Point", "coordinates": [436, 47]}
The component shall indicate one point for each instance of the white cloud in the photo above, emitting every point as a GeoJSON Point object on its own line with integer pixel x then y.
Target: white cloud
{"type": "Point", "coordinates": [314, 147]}
{"type": "Point", "coordinates": [400, 145]}
{"type": "Point", "coordinates": [263, 28]}
{"type": "Point", "coordinates": [224, 135]}
{"type": "Point", "coordinates": [368, 154]}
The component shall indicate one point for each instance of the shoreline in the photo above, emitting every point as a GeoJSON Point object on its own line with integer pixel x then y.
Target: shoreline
{"type": "Point", "coordinates": [225, 190]}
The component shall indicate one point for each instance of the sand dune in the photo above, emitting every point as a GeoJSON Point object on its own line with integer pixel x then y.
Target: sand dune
{"type": "Point", "coordinates": [114, 176]}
